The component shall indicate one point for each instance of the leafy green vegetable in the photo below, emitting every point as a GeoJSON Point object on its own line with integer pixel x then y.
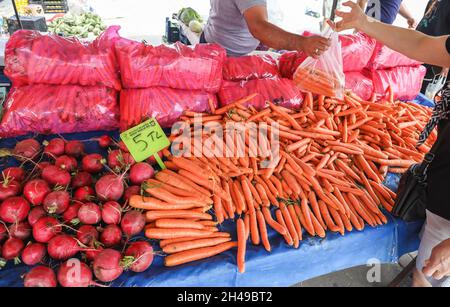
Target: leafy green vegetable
{"type": "Point", "coordinates": [77, 25]}
{"type": "Point", "coordinates": [186, 15]}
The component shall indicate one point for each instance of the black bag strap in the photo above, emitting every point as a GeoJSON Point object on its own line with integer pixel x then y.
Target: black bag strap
{"type": "Point", "coordinates": [429, 157]}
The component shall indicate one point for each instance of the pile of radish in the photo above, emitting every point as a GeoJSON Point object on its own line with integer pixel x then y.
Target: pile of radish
{"type": "Point", "coordinates": [63, 209]}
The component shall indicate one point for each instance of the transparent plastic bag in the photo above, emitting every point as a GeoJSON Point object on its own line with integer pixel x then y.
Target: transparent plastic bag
{"type": "Point", "coordinates": [406, 82]}
{"type": "Point", "coordinates": [325, 75]}
{"type": "Point", "coordinates": [177, 66]}
{"type": "Point", "coordinates": [250, 67]}
{"type": "Point", "coordinates": [282, 92]}
{"type": "Point", "coordinates": [165, 104]}
{"type": "Point", "coordinates": [49, 109]}
{"type": "Point", "coordinates": [34, 58]}
{"type": "Point", "coordinates": [359, 84]}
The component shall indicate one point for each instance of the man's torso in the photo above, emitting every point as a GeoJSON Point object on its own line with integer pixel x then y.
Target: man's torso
{"type": "Point", "coordinates": [384, 10]}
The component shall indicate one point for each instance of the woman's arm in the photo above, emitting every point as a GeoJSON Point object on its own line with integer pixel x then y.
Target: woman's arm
{"type": "Point", "coordinates": [416, 45]}
{"type": "Point", "coordinates": [405, 13]}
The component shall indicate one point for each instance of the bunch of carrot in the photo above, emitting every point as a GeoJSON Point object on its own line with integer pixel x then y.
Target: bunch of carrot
{"type": "Point", "coordinates": [334, 156]}
{"type": "Point", "coordinates": [318, 82]}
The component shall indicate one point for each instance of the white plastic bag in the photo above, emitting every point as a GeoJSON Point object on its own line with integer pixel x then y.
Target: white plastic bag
{"type": "Point", "coordinates": [435, 86]}
{"type": "Point", "coordinates": [325, 75]}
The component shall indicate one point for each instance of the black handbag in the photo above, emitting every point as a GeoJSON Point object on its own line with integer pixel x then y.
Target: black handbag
{"type": "Point", "coordinates": [412, 194]}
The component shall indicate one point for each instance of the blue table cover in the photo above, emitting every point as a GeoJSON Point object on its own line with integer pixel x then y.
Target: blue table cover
{"type": "Point", "coordinates": [285, 266]}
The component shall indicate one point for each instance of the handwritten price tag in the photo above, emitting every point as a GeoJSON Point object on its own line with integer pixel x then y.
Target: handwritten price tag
{"type": "Point", "coordinates": [146, 140]}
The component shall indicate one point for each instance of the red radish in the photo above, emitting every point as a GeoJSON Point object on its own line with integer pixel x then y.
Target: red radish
{"type": "Point", "coordinates": [63, 247]}
{"type": "Point", "coordinates": [123, 147]}
{"type": "Point", "coordinates": [21, 231]}
{"type": "Point", "coordinates": [35, 214]}
{"type": "Point", "coordinates": [9, 188]}
{"type": "Point", "coordinates": [14, 210]}
{"type": "Point", "coordinates": [93, 163]}
{"type": "Point", "coordinates": [93, 251]}
{"type": "Point", "coordinates": [35, 191]}
{"type": "Point", "coordinates": [133, 222]}
{"type": "Point", "coordinates": [40, 277]}
{"type": "Point", "coordinates": [141, 172]}
{"type": "Point", "coordinates": [56, 202]}
{"type": "Point", "coordinates": [130, 191]}
{"type": "Point", "coordinates": [107, 265]}
{"type": "Point", "coordinates": [87, 234]}
{"type": "Point", "coordinates": [71, 214]}
{"type": "Point", "coordinates": [84, 194]}
{"type": "Point", "coordinates": [119, 160]}
{"type": "Point", "coordinates": [152, 159]}
{"type": "Point", "coordinates": [3, 232]}
{"type": "Point", "coordinates": [74, 149]}
{"type": "Point", "coordinates": [12, 248]}
{"type": "Point", "coordinates": [142, 256]}
{"type": "Point", "coordinates": [90, 214]}
{"type": "Point", "coordinates": [27, 149]}
{"type": "Point", "coordinates": [109, 187]}
{"type": "Point", "coordinates": [43, 165]}
{"type": "Point", "coordinates": [54, 148]}
{"type": "Point", "coordinates": [34, 253]}
{"type": "Point", "coordinates": [56, 176]}
{"type": "Point", "coordinates": [67, 163]}
{"type": "Point", "coordinates": [14, 173]}
{"type": "Point", "coordinates": [45, 229]}
{"type": "Point", "coordinates": [111, 236]}
{"type": "Point", "coordinates": [75, 274]}
{"type": "Point", "coordinates": [111, 213]}
{"type": "Point", "coordinates": [82, 179]}
{"type": "Point", "coordinates": [104, 141]}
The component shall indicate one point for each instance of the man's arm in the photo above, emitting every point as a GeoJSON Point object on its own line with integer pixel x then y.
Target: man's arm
{"type": "Point", "coordinates": [277, 38]}
{"type": "Point", "coordinates": [438, 266]}
{"type": "Point", "coordinates": [416, 45]}
{"type": "Point", "coordinates": [405, 13]}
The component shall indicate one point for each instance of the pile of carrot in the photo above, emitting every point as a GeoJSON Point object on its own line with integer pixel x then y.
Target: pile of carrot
{"type": "Point", "coordinates": [318, 82]}
{"type": "Point", "coordinates": [334, 156]}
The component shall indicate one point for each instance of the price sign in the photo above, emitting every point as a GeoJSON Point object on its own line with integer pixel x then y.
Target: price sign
{"type": "Point", "coordinates": [146, 140]}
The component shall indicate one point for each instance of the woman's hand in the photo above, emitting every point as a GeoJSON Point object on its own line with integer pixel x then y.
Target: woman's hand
{"type": "Point", "coordinates": [438, 266]}
{"type": "Point", "coordinates": [355, 19]}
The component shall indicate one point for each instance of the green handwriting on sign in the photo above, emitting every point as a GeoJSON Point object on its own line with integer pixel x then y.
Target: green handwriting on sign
{"type": "Point", "coordinates": [146, 140]}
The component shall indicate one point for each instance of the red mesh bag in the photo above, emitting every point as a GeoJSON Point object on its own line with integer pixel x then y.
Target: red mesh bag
{"type": "Point", "coordinates": [49, 109]}
{"type": "Point", "coordinates": [385, 58]}
{"type": "Point", "coordinates": [289, 62]}
{"type": "Point", "coordinates": [164, 104]}
{"type": "Point", "coordinates": [177, 66]}
{"type": "Point", "coordinates": [282, 92]}
{"type": "Point", "coordinates": [357, 49]}
{"type": "Point", "coordinates": [33, 58]}
{"type": "Point", "coordinates": [359, 84]}
{"type": "Point", "coordinates": [250, 67]}
{"type": "Point", "coordinates": [406, 82]}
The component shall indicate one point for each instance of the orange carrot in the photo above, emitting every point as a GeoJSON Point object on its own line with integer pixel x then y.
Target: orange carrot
{"type": "Point", "coordinates": [197, 254]}
{"type": "Point", "coordinates": [287, 237]}
{"type": "Point", "coordinates": [178, 223]}
{"type": "Point", "coordinates": [263, 230]}
{"type": "Point", "coordinates": [194, 244]}
{"type": "Point", "coordinates": [167, 233]}
{"type": "Point", "coordinates": [176, 214]}
{"type": "Point", "coordinates": [254, 232]}
{"type": "Point", "coordinates": [242, 245]}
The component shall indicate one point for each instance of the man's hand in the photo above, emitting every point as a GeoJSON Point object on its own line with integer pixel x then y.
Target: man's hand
{"type": "Point", "coordinates": [412, 24]}
{"type": "Point", "coordinates": [438, 266]}
{"type": "Point", "coordinates": [354, 19]}
{"type": "Point", "coordinates": [314, 46]}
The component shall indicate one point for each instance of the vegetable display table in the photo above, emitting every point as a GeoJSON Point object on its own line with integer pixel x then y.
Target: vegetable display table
{"type": "Point", "coordinates": [285, 266]}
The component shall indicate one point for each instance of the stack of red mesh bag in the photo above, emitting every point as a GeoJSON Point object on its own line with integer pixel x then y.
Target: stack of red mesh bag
{"type": "Point", "coordinates": [163, 82]}
{"type": "Point", "coordinates": [257, 74]}
{"type": "Point", "coordinates": [390, 68]}
{"type": "Point", "coordinates": [60, 85]}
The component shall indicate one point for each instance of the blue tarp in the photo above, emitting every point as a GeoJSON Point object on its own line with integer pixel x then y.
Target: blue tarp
{"type": "Point", "coordinates": [285, 266]}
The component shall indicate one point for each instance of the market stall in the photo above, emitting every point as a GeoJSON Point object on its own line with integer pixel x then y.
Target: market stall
{"type": "Point", "coordinates": [343, 135]}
